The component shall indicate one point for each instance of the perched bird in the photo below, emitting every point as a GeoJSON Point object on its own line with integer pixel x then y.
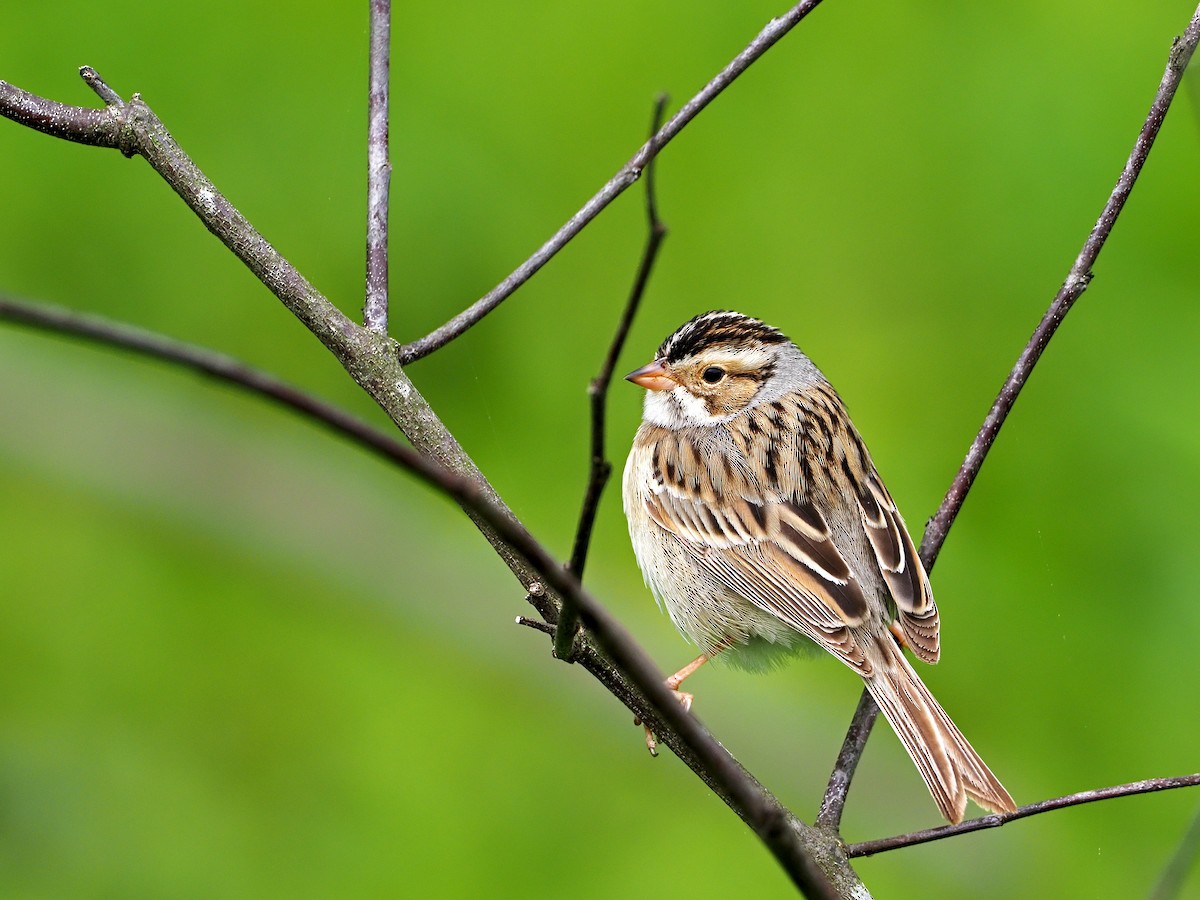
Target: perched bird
{"type": "Point", "coordinates": [759, 521]}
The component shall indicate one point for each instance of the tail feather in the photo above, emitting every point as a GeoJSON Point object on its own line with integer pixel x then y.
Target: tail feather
{"type": "Point", "coordinates": [951, 768]}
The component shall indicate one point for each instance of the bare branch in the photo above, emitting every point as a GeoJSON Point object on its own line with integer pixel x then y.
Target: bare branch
{"type": "Point", "coordinates": [97, 329]}
{"type": "Point", "coordinates": [379, 169]}
{"type": "Point", "coordinates": [1072, 288]}
{"type": "Point", "coordinates": [133, 128]}
{"type": "Point", "coordinates": [868, 848]}
{"type": "Point", "coordinates": [369, 358]}
{"type": "Point", "coordinates": [830, 813]}
{"type": "Point", "coordinates": [601, 468]}
{"type": "Point", "coordinates": [627, 175]}
{"type": "Point", "coordinates": [97, 127]}
{"type": "Point", "coordinates": [93, 80]}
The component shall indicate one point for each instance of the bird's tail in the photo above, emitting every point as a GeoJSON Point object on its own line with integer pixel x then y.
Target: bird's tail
{"type": "Point", "coordinates": [951, 768]}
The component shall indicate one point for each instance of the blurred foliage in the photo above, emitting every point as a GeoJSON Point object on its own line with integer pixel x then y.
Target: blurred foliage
{"type": "Point", "coordinates": [239, 658]}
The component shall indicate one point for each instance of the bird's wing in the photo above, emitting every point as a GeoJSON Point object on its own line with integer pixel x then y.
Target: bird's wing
{"type": "Point", "coordinates": [776, 549]}
{"type": "Point", "coordinates": [778, 555]}
{"type": "Point", "coordinates": [901, 567]}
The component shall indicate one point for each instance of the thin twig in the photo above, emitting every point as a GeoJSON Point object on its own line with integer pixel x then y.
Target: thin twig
{"type": "Point", "coordinates": [1072, 288]}
{"type": "Point", "coordinates": [536, 625]}
{"type": "Point", "coordinates": [627, 175]}
{"type": "Point", "coordinates": [868, 848]}
{"type": "Point", "coordinates": [379, 169]}
{"type": "Point", "coordinates": [96, 127]}
{"type": "Point", "coordinates": [830, 813]}
{"type": "Point", "coordinates": [601, 468]}
{"type": "Point", "coordinates": [97, 329]}
{"type": "Point", "coordinates": [93, 80]}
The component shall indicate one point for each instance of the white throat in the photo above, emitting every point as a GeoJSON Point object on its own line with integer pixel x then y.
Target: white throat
{"type": "Point", "coordinates": [678, 408]}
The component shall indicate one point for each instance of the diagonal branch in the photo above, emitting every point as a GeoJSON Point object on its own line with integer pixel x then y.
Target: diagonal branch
{"type": "Point", "coordinates": [1072, 289]}
{"type": "Point", "coordinates": [134, 129]}
{"type": "Point", "coordinates": [868, 848]}
{"type": "Point", "coordinates": [99, 330]}
{"type": "Point", "coordinates": [829, 814]}
{"type": "Point", "coordinates": [627, 175]}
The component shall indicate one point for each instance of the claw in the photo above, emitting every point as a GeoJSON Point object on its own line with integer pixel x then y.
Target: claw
{"type": "Point", "coordinates": [651, 741]}
{"type": "Point", "coordinates": [682, 696]}
{"type": "Point", "coordinates": [685, 699]}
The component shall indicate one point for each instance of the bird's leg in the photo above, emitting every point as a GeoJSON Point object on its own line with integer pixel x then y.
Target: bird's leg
{"type": "Point", "coordinates": [676, 680]}
{"type": "Point", "coordinates": [685, 698]}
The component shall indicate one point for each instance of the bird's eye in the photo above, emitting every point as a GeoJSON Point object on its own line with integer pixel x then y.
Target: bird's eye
{"type": "Point", "coordinates": [713, 374]}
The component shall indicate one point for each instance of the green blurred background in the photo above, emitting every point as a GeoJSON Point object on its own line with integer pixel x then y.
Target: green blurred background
{"type": "Point", "coordinates": [239, 657]}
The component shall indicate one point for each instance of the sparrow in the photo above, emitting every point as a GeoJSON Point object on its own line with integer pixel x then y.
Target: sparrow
{"type": "Point", "coordinates": [760, 523]}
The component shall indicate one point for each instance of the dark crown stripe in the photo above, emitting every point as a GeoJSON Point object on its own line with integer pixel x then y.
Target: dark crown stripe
{"type": "Point", "coordinates": [723, 328]}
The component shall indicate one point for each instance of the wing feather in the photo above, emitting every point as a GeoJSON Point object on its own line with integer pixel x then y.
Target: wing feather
{"type": "Point", "coordinates": [901, 567]}
{"type": "Point", "coordinates": [778, 552]}
{"type": "Point", "coordinates": [801, 580]}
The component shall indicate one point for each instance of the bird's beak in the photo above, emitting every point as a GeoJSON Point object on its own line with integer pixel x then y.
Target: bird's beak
{"type": "Point", "coordinates": [653, 377]}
